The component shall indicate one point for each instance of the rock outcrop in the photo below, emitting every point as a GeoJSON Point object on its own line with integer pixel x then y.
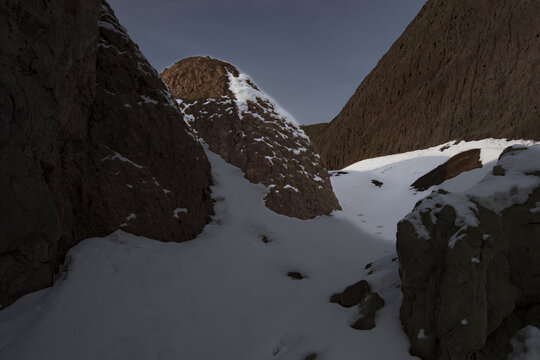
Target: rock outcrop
{"type": "Point", "coordinates": [469, 263]}
{"type": "Point", "coordinates": [246, 128]}
{"type": "Point", "coordinates": [457, 164]}
{"type": "Point", "coordinates": [91, 142]}
{"type": "Point", "coordinates": [461, 70]}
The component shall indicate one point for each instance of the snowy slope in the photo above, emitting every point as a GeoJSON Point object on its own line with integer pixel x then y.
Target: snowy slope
{"type": "Point", "coordinates": [226, 294]}
{"type": "Point", "coordinates": [377, 210]}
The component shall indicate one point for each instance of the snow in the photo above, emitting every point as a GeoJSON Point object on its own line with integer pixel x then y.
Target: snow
{"type": "Point", "coordinates": [536, 208]}
{"type": "Point", "coordinates": [113, 27]}
{"type": "Point", "coordinates": [500, 192]}
{"type": "Point", "coordinates": [455, 238]}
{"type": "Point", "coordinates": [387, 205]}
{"type": "Point", "coordinates": [290, 187]}
{"type": "Point", "coordinates": [244, 92]}
{"type": "Point", "coordinates": [223, 295]}
{"type": "Point", "coordinates": [147, 100]}
{"type": "Point", "coordinates": [117, 156]}
{"type": "Point", "coordinates": [226, 294]}
{"type": "Point", "coordinates": [178, 211]}
{"type": "Point", "coordinates": [526, 344]}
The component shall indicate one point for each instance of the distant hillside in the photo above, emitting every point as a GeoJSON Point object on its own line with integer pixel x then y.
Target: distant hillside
{"type": "Point", "coordinates": [461, 70]}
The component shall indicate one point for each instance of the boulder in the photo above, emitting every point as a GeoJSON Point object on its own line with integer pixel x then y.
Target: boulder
{"type": "Point", "coordinates": [249, 130]}
{"type": "Point", "coordinates": [368, 303]}
{"type": "Point", "coordinates": [469, 264]}
{"type": "Point", "coordinates": [352, 295]}
{"type": "Point", "coordinates": [368, 309]}
{"type": "Point", "coordinates": [457, 164]}
{"type": "Point", "coordinates": [92, 142]}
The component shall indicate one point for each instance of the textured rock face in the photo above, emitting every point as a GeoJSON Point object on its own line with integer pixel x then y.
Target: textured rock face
{"type": "Point", "coordinates": [469, 264]}
{"type": "Point", "coordinates": [457, 164]}
{"type": "Point", "coordinates": [91, 142]}
{"type": "Point", "coordinates": [245, 127]}
{"type": "Point", "coordinates": [461, 70]}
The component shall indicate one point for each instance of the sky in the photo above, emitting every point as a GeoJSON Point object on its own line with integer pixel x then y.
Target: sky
{"type": "Point", "coordinates": [308, 55]}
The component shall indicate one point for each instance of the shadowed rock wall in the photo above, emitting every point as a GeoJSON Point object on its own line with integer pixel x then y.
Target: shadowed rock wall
{"type": "Point", "coordinates": [91, 142]}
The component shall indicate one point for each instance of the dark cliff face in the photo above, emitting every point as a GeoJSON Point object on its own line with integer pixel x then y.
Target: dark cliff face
{"type": "Point", "coordinates": [461, 70]}
{"type": "Point", "coordinates": [244, 126]}
{"type": "Point", "coordinates": [91, 142]}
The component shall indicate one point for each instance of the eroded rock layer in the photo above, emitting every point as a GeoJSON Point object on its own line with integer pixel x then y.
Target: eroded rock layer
{"type": "Point", "coordinates": [244, 126]}
{"type": "Point", "coordinates": [457, 164]}
{"type": "Point", "coordinates": [461, 70]}
{"type": "Point", "coordinates": [91, 142]}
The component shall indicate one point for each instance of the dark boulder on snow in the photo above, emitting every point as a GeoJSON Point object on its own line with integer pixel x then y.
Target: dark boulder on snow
{"type": "Point", "coordinates": [352, 295]}
{"type": "Point", "coordinates": [92, 142]}
{"type": "Point", "coordinates": [461, 70]}
{"type": "Point", "coordinates": [244, 126]}
{"type": "Point", "coordinates": [368, 310]}
{"type": "Point", "coordinates": [368, 303]}
{"type": "Point", "coordinates": [457, 164]}
{"type": "Point", "coordinates": [469, 264]}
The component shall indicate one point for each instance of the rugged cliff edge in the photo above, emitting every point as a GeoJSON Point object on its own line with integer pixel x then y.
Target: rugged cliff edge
{"type": "Point", "coordinates": [91, 142]}
{"type": "Point", "coordinates": [461, 70]}
{"type": "Point", "coordinates": [249, 130]}
{"type": "Point", "coordinates": [469, 263]}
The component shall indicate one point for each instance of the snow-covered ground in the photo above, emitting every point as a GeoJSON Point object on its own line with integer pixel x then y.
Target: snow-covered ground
{"type": "Point", "coordinates": [226, 294]}
{"type": "Point", "coordinates": [377, 210]}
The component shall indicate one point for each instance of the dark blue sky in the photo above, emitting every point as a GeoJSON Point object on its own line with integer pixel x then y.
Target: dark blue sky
{"type": "Point", "coordinates": [309, 55]}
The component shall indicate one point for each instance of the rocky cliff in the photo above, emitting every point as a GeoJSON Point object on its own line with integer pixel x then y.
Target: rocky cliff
{"type": "Point", "coordinates": [461, 70]}
{"type": "Point", "coordinates": [89, 133]}
{"type": "Point", "coordinates": [244, 126]}
{"type": "Point", "coordinates": [469, 263]}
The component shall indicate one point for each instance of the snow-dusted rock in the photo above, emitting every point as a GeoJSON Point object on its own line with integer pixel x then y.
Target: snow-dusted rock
{"type": "Point", "coordinates": [91, 141]}
{"type": "Point", "coordinates": [249, 130]}
{"type": "Point", "coordinates": [469, 263]}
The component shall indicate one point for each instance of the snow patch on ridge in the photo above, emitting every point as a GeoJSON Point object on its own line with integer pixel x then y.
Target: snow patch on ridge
{"type": "Point", "coordinates": [243, 90]}
{"type": "Point", "coordinates": [500, 192]}
{"type": "Point", "coordinates": [368, 209]}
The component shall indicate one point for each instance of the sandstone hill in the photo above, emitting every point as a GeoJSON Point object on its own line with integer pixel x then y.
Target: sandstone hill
{"type": "Point", "coordinates": [469, 263]}
{"type": "Point", "coordinates": [89, 133]}
{"type": "Point", "coordinates": [244, 126]}
{"type": "Point", "coordinates": [461, 70]}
